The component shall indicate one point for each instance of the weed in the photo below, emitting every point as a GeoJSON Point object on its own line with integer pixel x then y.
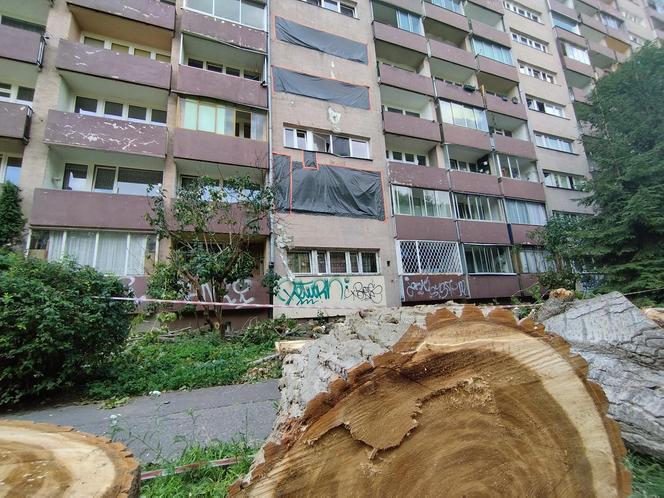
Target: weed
{"type": "Point", "coordinates": [647, 475]}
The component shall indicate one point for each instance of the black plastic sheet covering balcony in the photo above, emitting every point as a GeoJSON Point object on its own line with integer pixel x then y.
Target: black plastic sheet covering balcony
{"type": "Point", "coordinates": [292, 32]}
{"type": "Point", "coordinates": [328, 190]}
{"type": "Point", "coordinates": [320, 88]}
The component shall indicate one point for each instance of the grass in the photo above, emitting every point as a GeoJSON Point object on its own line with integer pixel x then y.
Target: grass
{"type": "Point", "coordinates": [647, 475]}
{"type": "Point", "coordinates": [204, 481]}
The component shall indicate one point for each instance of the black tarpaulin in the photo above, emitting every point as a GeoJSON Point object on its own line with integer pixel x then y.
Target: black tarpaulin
{"type": "Point", "coordinates": [320, 88]}
{"type": "Point", "coordinates": [292, 32]}
{"type": "Point", "coordinates": [329, 190]}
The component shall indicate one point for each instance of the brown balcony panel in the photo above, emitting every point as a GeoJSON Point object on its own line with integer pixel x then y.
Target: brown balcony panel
{"type": "Point", "coordinates": [592, 22]}
{"type": "Point", "coordinates": [456, 93]}
{"type": "Point", "coordinates": [477, 183]}
{"type": "Point", "coordinates": [563, 34]}
{"type": "Point", "coordinates": [214, 148]}
{"type": "Point", "coordinates": [400, 37]}
{"type": "Point", "coordinates": [563, 9]}
{"type": "Point", "coordinates": [490, 33]}
{"type": "Point", "coordinates": [13, 120]}
{"type": "Point", "coordinates": [410, 5]}
{"type": "Point", "coordinates": [579, 95]}
{"type": "Point", "coordinates": [489, 286]}
{"type": "Point", "coordinates": [424, 228]}
{"type": "Point", "coordinates": [413, 175]}
{"type": "Point", "coordinates": [506, 107]}
{"type": "Point", "coordinates": [407, 80]}
{"type": "Point", "coordinates": [459, 135]}
{"type": "Point", "coordinates": [578, 67]}
{"type": "Point", "coordinates": [19, 44]}
{"type": "Point", "coordinates": [410, 126]}
{"type": "Point", "coordinates": [446, 16]}
{"type": "Point", "coordinates": [193, 81]}
{"type": "Point", "coordinates": [521, 234]}
{"type": "Point", "coordinates": [158, 14]}
{"type": "Point", "coordinates": [515, 147]}
{"type": "Point", "coordinates": [618, 34]}
{"type": "Point", "coordinates": [483, 232]}
{"type": "Point", "coordinates": [527, 281]}
{"type": "Point", "coordinates": [240, 216]}
{"type": "Point", "coordinates": [101, 133]}
{"type": "Point", "coordinates": [495, 5]}
{"type": "Point", "coordinates": [610, 9]}
{"type": "Point", "coordinates": [67, 208]}
{"type": "Point", "coordinates": [522, 189]}
{"type": "Point", "coordinates": [433, 288]}
{"type": "Point", "coordinates": [496, 68]}
{"type": "Point", "coordinates": [591, 3]}
{"type": "Point", "coordinates": [449, 53]}
{"type": "Point", "coordinates": [81, 58]}
{"type": "Point", "coordinates": [224, 31]}
{"type": "Point", "coordinates": [600, 55]}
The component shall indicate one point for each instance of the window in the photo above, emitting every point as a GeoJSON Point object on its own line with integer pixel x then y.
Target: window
{"type": "Point", "coordinates": [492, 50]}
{"type": "Point", "coordinates": [453, 5]}
{"type": "Point", "coordinates": [565, 23]}
{"type": "Point", "coordinates": [16, 93]}
{"type": "Point", "coordinates": [519, 169]}
{"type": "Point", "coordinates": [333, 262]}
{"type": "Point", "coordinates": [464, 115]}
{"type": "Point", "coordinates": [21, 24]}
{"type": "Point", "coordinates": [397, 110]}
{"type": "Point", "coordinates": [342, 8]}
{"type": "Point", "coordinates": [531, 42]}
{"type": "Point", "coordinates": [576, 53]}
{"type": "Point", "coordinates": [479, 207]}
{"type": "Point", "coordinates": [545, 107]}
{"type": "Point", "coordinates": [118, 110]}
{"type": "Point", "coordinates": [110, 179]}
{"type": "Point", "coordinates": [421, 202]}
{"type": "Point", "coordinates": [488, 259]}
{"type": "Point", "coordinates": [429, 257]}
{"type": "Point", "coordinates": [551, 142]}
{"type": "Point", "coordinates": [75, 177]}
{"type": "Point", "coordinates": [610, 21]}
{"type": "Point", "coordinates": [563, 180]}
{"type": "Point", "coordinates": [407, 157]}
{"type": "Point", "coordinates": [10, 169]}
{"type": "Point", "coordinates": [222, 68]}
{"type": "Point", "coordinates": [125, 47]}
{"type": "Point", "coordinates": [632, 17]}
{"type": "Point", "coordinates": [225, 119]}
{"type": "Point", "coordinates": [409, 22]}
{"type": "Point", "coordinates": [523, 11]}
{"type": "Point", "coordinates": [481, 166]}
{"type": "Point", "coordinates": [534, 260]}
{"type": "Point", "coordinates": [325, 142]}
{"type": "Point", "coordinates": [637, 40]}
{"type": "Point", "coordinates": [525, 213]}
{"type": "Point", "coordinates": [119, 253]}
{"type": "Point", "coordinates": [536, 72]}
{"type": "Point", "coordinates": [500, 131]}
{"type": "Point", "coordinates": [241, 11]}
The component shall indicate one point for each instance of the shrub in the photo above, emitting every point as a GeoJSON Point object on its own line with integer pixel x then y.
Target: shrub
{"type": "Point", "coordinates": [12, 221]}
{"type": "Point", "coordinates": [53, 329]}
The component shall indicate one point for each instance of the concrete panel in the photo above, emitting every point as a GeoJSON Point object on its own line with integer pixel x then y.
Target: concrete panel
{"type": "Point", "coordinates": [495, 5]}
{"type": "Point", "coordinates": [578, 67]}
{"type": "Point", "coordinates": [410, 126]}
{"type": "Point", "coordinates": [424, 228]}
{"type": "Point", "coordinates": [446, 17]}
{"type": "Point", "coordinates": [515, 147]}
{"type": "Point", "coordinates": [520, 233]}
{"type": "Point", "coordinates": [496, 68]}
{"type": "Point", "coordinates": [215, 148]}
{"type": "Point", "coordinates": [483, 232]}
{"type": "Point", "coordinates": [400, 78]}
{"type": "Point", "coordinates": [463, 181]}
{"type": "Point", "coordinates": [563, 9]}
{"type": "Point", "coordinates": [19, 44]}
{"type": "Point", "coordinates": [456, 93]}
{"type": "Point", "coordinates": [459, 135]}
{"type": "Point", "coordinates": [506, 107]}
{"type": "Point", "coordinates": [13, 120]}
{"type": "Point", "coordinates": [520, 189]}
{"type": "Point", "coordinates": [592, 22]}
{"type": "Point", "coordinates": [400, 37]}
{"type": "Point", "coordinates": [490, 33]}
{"type": "Point", "coordinates": [489, 286]}
{"type": "Point", "coordinates": [223, 31]}
{"type": "Point", "coordinates": [563, 34]}
{"type": "Point", "coordinates": [413, 175]}
{"type": "Point", "coordinates": [159, 14]}
{"type": "Point", "coordinates": [455, 55]}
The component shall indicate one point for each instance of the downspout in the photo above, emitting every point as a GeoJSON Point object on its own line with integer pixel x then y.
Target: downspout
{"type": "Point", "coordinates": [270, 162]}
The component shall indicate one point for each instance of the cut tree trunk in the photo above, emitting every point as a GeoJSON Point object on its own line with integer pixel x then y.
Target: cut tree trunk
{"type": "Point", "coordinates": [44, 460]}
{"type": "Point", "coordinates": [464, 406]}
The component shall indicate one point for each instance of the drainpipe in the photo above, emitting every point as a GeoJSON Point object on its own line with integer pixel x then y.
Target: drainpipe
{"type": "Point", "coordinates": [270, 162]}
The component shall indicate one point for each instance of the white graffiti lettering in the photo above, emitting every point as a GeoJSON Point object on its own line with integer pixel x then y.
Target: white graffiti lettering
{"type": "Point", "coordinates": [442, 290]}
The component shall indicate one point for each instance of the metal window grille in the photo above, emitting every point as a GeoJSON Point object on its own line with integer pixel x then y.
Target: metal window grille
{"type": "Point", "coordinates": [429, 257]}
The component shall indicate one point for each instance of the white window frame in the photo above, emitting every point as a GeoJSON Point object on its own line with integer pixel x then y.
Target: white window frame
{"type": "Point", "coordinates": [608, 20]}
{"type": "Point", "coordinates": [4, 159]}
{"type": "Point", "coordinates": [401, 110]}
{"type": "Point", "coordinates": [412, 19]}
{"type": "Point", "coordinates": [444, 4]}
{"type": "Point", "coordinates": [325, 4]}
{"type": "Point", "coordinates": [390, 154]}
{"type": "Point", "coordinates": [108, 42]}
{"type": "Point", "coordinates": [237, 21]}
{"type": "Point", "coordinates": [13, 93]}
{"type": "Point", "coordinates": [533, 43]}
{"type": "Point", "coordinates": [539, 256]}
{"type": "Point", "coordinates": [554, 143]}
{"type": "Point", "coordinates": [90, 185]}
{"type": "Point", "coordinates": [489, 247]}
{"type": "Point", "coordinates": [573, 23]}
{"type": "Point", "coordinates": [513, 168]}
{"type": "Point", "coordinates": [223, 66]}
{"type": "Point", "coordinates": [442, 198]}
{"type": "Point", "coordinates": [309, 142]}
{"type": "Point", "coordinates": [483, 47]}
{"type": "Point", "coordinates": [540, 206]}
{"type": "Point", "coordinates": [575, 52]}
{"type": "Point", "coordinates": [549, 107]}
{"type": "Point", "coordinates": [632, 17]}
{"type": "Point", "coordinates": [557, 179]}
{"type": "Point", "coordinates": [313, 261]}
{"type": "Point", "coordinates": [476, 199]}
{"type": "Point", "coordinates": [479, 115]}
{"type": "Point", "coordinates": [522, 11]}
{"type": "Point", "coordinates": [101, 104]}
{"type": "Point", "coordinates": [536, 72]}
{"type": "Point", "coordinates": [466, 167]}
{"type": "Point", "coordinates": [260, 134]}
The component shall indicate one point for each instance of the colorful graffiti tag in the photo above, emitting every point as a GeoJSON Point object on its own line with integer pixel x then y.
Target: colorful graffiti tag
{"type": "Point", "coordinates": [434, 288]}
{"type": "Point", "coordinates": [342, 291]}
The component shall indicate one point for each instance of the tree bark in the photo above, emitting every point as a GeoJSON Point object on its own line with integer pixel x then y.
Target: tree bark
{"type": "Point", "coordinates": [459, 406]}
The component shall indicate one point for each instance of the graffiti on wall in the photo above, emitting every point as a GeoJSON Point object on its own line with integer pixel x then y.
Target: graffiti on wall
{"type": "Point", "coordinates": [331, 291]}
{"type": "Point", "coordinates": [434, 288]}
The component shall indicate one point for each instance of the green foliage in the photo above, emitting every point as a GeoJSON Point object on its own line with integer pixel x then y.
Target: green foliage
{"type": "Point", "coordinates": [55, 324]}
{"type": "Point", "coordinates": [647, 475]}
{"type": "Point", "coordinates": [267, 331]}
{"type": "Point", "coordinates": [12, 221]}
{"type": "Point", "coordinates": [203, 481]}
{"type": "Point", "coordinates": [626, 238]}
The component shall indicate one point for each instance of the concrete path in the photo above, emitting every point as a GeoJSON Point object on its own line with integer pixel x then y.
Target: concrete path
{"type": "Point", "coordinates": [156, 427]}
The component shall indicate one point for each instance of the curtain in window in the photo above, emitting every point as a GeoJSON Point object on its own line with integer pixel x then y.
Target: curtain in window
{"type": "Point", "coordinates": [111, 252]}
{"type": "Point", "coordinates": [257, 126]}
{"type": "Point", "coordinates": [189, 114]}
{"type": "Point", "coordinates": [81, 246]}
{"type": "Point", "coordinates": [55, 245]}
{"type": "Point", "coordinates": [137, 252]}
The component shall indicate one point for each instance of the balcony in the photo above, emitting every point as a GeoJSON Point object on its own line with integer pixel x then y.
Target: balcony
{"type": "Point", "coordinates": [80, 58]}
{"type": "Point", "coordinates": [15, 121]}
{"type": "Point", "coordinates": [400, 37]}
{"type": "Point", "coordinates": [521, 189]}
{"type": "Point", "coordinates": [619, 36]}
{"type": "Point", "coordinates": [446, 17]}
{"type": "Point", "coordinates": [436, 288]}
{"type": "Point", "coordinates": [578, 67]}
{"type": "Point", "coordinates": [579, 95]}
{"type": "Point", "coordinates": [424, 228]}
{"type": "Point", "coordinates": [410, 126]}
{"type": "Point", "coordinates": [494, 5]}
{"type": "Point", "coordinates": [458, 135]}
{"type": "Point", "coordinates": [400, 78]}
{"type": "Point", "coordinates": [194, 81]}
{"type": "Point", "coordinates": [495, 68]}
{"type": "Point", "coordinates": [159, 14]}
{"type": "Point", "coordinates": [21, 45]}
{"type": "Point", "coordinates": [489, 33]}
{"type": "Point", "coordinates": [223, 31]}
{"type": "Point", "coordinates": [413, 175]}
{"type": "Point", "coordinates": [515, 147]}
{"type": "Point", "coordinates": [476, 183]}
{"type": "Point", "coordinates": [600, 55]}
{"type": "Point", "coordinates": [506, 107]}
{"type": "Point", "coordinates": [220, 149]}
{"type": "Point", "coordinates": [521, 233]}
{"type": "Point", "coordinates": [483, 232]}
{"type": "Point", "coordinates": [68, 208]}
{"type": "Point", "coordinates": [593, 23]}
{"type": "Point", "coordinates": [563, 9]}
{"type": "Point", "coordinates": [452, 55]}
{"type": "Point", "coordinates": [563, 34]}
{"type": "Point", "coordinates": [490, 286]}
{"type": "Point", "coordinates": [456, 93]}
{"type": "Point", "coordinates": [105, 134]}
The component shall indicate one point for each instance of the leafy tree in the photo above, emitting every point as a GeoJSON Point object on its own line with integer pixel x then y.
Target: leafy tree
{"type": "Point", "coordinates": [626, 237]}
{"type": "Point", "coordinates": [12, 221]}
{"type": "Point", "coordinates": [210, 229]}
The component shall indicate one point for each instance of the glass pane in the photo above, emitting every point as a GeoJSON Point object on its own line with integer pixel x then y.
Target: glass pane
{"type": "Point", "coordinates": [369, 262]}
{"type": "Point", "coordinates": [163, 58]}
{"type": "Point", "coordinates": [299, 262]}
{"type": "Point", "coordinates": [75, 178]}
{"type": "Point", "coordinates": [252, 14]}
{"type": "Point", "coordinates": [138, 251]}
{"type": "Point", "coordinates": [158, 116]}
{"type": "Point", "coordinates": [354, 266]}
{"type": "Point", "coordinates": [112, 252]}
{"type": "Point", "coordinates": [321, 142]}
{"type": "Point", "coordinates": [232, 71]}
{"type": "Point", "coordinates": [136, 112]}
{"type": "Point", "coordinates": [80, 246]}
{"type": "Point", "coordinates": [250, 75]}
{"type": "Point", "coordinates": [93, 42]}
{"type": "Point", "coordinates": [85, 105]}
{"type": "Point", "coordinates": [242, 124]}
{"type": "Point", "coordinates": [195, 63]}
{"type": "Point", "coordinates": [137, 181]}
{"type": "Point", "coordinates": [418, 202]}
{"type": "Point", "coordinates": [224, 120]}
{"type": "Point", "coordinates": [446, 109]}
{"type": "Point", "coordinates": [104, 179]}
{"type": "Point", "coordinates": [112, 109]}
{"type": "Point", "coordinates": [141, 53]}
{"type": "Point", "coordinates": [347, 11]}
{"type": "Point", "coordinates": [402, 200]}
{"type": "Point", "coordinates": [338, 262]}
{"type": "Point", "coordinates": [360, 149]}
{"type": "Point", "coordinates": [228, 9]}
{"type": "Point", "coordinates": [206, 117]}
{"type": "Point", "coordinates": [13, 170]}
{"type": "Point", "coordinates": [25, 94]}
{"type": "Point", "coordinates": [322, 261]}
{"type": "Point", "coordinates": [215, 68]}
{"type": "Point", "coordinates": [257, 126]}
{"type": "Point", "coordinates": [117, 47]}
{"type": "Point", "coordinates": [341, 146]}
{"type": "Point", "coordinates": [189, 114]}
{"type": "Point", "coordinates": [202, 5]}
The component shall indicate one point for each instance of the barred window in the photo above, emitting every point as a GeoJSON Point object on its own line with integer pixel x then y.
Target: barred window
{"type": "Point", "coordinates": [429, 257]}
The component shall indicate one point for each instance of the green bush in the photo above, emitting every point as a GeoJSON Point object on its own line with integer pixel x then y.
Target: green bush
{"type": "Point", "coordinates": [53, 327]}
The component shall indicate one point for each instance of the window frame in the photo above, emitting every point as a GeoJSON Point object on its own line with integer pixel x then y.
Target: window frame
{"type": "Point", "coordinates": [314, 268]}
{"type": "Point", "coordinates": [487, 44]}
{"type": "Point", "coordinates": [510, 168]}
{"type": "Point", "coordinates": [443, 5]}
{"type": "Point", "coordinates": [545, 141]}
{"type": "Point", "coordinates": [438, 196]}
{"type": "Point", "coordinates": [479, 115]}
{"type": "Point", "coordinates": [101, 108]}
{"type": "Point", "coordinates": [131, 47]}
{"type": "Point", "coordinates": [114, 190]}
{"type": "Point", "coordinates": [566, 181]}
{"type": "Point", "coordinates": [467, 168]}
{"type": "Point", "coordinates": [238, 21]}
{"type": "Point", "coordinates": [228, 107]}
{"type": "Point", "coordinates": [13, 93]}
{"type": "Point", "coordinates": [546, 107]}
{"type": "Point", "coordinates": [310, 147]}
{"type": "Point", "coordinates": [242, 70]}
{"type": "Point", "coordinates": [530, 42]}
{"type": "Point", "coordinates": [4, 166]}
{"type": "Point", "coordinates": [412, 18]}
{"type": "Point", "coordinates": [390, 155]}
{"type": "Point", "coordinates": [572, 27]}
{"type": "Point", "coordinates": [539, 256]}
{"type": "Point", "coordinates": [534, 71]}
{"type": "Point", "coordinates": [528, 13]}
{"type": "Point", "coordinates": [520, 202]}
{"type": "Point", "coordinates": [488, 247]}
{"type": "Point", "coordinates": [477, 198]}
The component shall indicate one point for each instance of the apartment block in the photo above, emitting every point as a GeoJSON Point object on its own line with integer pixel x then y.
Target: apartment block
{"type": "Point", "coordinates": [412, 145]}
